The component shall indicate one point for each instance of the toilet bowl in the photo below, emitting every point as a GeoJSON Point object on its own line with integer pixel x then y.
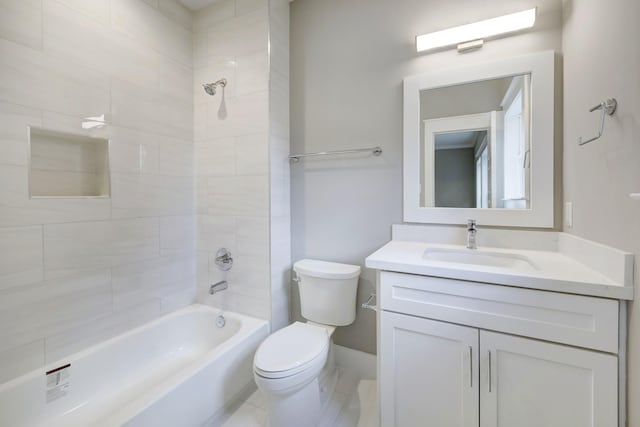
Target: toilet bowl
{"type": "Point", "coordinates": [294, 366]}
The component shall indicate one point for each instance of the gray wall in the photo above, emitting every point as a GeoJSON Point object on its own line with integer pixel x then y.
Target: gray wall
{"type": "Point", "coordinates": [455, 178]}
{"type": "Point", "coordinates": [348, 59]}
{"type": "Point", "coordinates": [598, 177]}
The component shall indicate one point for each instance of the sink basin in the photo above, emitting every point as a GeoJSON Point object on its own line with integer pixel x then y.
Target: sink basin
{"type": "Point", "coordinates": [479, 257]}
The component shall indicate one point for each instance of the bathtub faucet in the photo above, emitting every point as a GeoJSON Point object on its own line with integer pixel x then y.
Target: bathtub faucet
{"type": "Point", "coordinates": [217, 287]}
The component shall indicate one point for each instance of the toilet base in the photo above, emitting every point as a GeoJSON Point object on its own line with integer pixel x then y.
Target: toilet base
{"type": "Point", "coordinates": [293, 410]}
{"type": "Point", "coordinates": [304, 407]}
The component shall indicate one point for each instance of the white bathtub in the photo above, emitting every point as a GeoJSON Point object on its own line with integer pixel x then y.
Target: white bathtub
{"type": "Point", "coordinates": [178, 370]}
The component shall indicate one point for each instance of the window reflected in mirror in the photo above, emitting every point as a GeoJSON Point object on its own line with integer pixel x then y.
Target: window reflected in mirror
{"type": "Point", "coordinates": [475, 146]}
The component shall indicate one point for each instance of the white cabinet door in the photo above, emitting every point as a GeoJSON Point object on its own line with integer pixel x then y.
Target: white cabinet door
{"type": "Point", "coordinates": [428, 373]}
{"type": "Point", "coordinates": [529, 383]}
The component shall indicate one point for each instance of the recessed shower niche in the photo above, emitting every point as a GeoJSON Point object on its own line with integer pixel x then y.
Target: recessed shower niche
{"type": "Point", "coordinates": [67, 165]}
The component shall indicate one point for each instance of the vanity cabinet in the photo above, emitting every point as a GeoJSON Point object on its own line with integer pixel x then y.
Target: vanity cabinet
{"type": "Point", "coordinates": [460, 354]}
{"type": "Point", "coordinates": [428, 373]}
{"type": "Point", "coordinates": [530, 383]}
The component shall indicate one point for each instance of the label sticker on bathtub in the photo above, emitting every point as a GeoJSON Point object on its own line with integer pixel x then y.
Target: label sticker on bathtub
{"type": "Point", "coordinates": [58, 382]}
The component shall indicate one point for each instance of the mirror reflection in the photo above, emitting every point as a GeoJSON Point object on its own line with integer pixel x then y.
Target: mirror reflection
{"type": "Point", "coordinates": [476, 144]}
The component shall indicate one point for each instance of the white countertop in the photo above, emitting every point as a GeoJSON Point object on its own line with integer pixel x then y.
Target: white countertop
{"type": "Point", "coordinates": [552, 270]}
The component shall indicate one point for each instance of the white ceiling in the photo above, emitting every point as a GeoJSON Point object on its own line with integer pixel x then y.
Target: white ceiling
{"type": "Point", "coordinates": [457, 140]}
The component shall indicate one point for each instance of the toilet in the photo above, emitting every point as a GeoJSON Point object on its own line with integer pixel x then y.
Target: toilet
{"type": "Point", "coordinates": [294, 367]}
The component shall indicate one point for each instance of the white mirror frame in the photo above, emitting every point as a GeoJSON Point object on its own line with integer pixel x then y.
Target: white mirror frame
{"type": "Point", "coordinates": [541, 66]}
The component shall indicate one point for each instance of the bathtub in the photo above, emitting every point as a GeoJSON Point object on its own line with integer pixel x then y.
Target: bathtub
{"type": "Point", "coordinates": [179, 370]}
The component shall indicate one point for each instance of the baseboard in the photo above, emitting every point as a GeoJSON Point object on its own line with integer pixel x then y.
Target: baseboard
{"type": "Point", "coordinates": [364, 365]}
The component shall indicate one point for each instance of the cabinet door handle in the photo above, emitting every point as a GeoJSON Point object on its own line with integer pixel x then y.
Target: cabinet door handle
{"type": "Point", "coordinates": [489, 371]}
{"type": "Point", "coordinates": [471, 366]}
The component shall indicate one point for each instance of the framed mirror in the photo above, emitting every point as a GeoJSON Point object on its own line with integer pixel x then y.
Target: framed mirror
{"type": "Point", "coordinates": [478, 144]}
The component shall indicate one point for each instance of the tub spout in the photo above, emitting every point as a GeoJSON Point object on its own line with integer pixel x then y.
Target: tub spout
{"type": "Point", "coordinates": [217, 287]}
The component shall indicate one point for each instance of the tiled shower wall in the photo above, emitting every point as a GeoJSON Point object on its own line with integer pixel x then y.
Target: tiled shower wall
{"type": "Point", "coordinates": [76, 271]}
{"type": "Point", "coordinates": [242, 198]}
{"type": "Point", "coordinates": [279, 171]}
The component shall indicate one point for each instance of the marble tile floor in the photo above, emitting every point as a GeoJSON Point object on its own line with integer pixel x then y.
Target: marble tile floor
{"type": "Point", "coordinates": [353, 404]}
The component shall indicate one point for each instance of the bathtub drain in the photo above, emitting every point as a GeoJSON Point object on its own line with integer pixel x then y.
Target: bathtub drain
{"type": "Point", "coordinates": [220, 322]}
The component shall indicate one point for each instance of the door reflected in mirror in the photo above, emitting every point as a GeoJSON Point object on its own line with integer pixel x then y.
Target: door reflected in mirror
{"type": "Point", "coordinates": [476, 140]}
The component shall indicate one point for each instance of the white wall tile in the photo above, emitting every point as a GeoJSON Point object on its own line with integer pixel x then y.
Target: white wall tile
{"type": "Point", "coordinates": [21, 22]}
{"type": "Point", "coordinates": [251, 277]}
{"type": "Point", "coordinates": [246, 6]}
{"type": "Point", "coordinates": [151, 195]}
{"type": "Point", "coordinates": [279, 166]}
{"type": "Point", "coordinates": [238, 302]}
{"type": "Point", "coordinates": [178, 235]}
{"type": "Point", "coordinates": [179, 299]}
{"type": "Point", "coordinates": [215, 232]}
{"type": "Point", "coordinates": [177, 13]}
{"type": "Point", "coordinates": [202, 274]}
{"type": "Point", "coordinates": [211, 70]}
{"type": "Point", "coordinates": [241, 35]}
{"type": "Point", "coordinates": [175, 80]}
{"type": "Point", "coordinates": [175, 157]}
{"type": "Point", "coordinates": [32, 78]}
{"type": "Point", "coordinates": [21, 359]}
{"type": "Point", "coordinates": [242, 185]}
{"type": "Point", "coordinates": [232, 154]}
{"type": "Point", "coordinates": [239, 196]}
{"type": "Point", "coordinates": [98, 47]}
{"type": "Point", "coordinates": [214, 14]}
{"type": "Point", "coordinates": [21, 261]}
{"type": "Point", "coordinates": [202, 196]}
{"type": "Point", "coordinates": [132, 151]}
{"type": "Point", "coordinates": [92, 332]}
{"type": "Point", "coordinates": [150, 27]}
{"type": "Point", "coordinates": [73, 124]}
{"type": "Point", "coordinates": [279, 27]}
{"type": "Point", "coordinates": [50, 307]}
{"type": "Point", "coordinates": [136, 107]}
{"type": "Point", "coordinates": [252, 72]}
{"type": "Point", "coordinates": [155, 278]}
{"type": "Point", "coordinates": [252, 154]}
{"type": "Point", "coordinates": [62, 61]}
{"type": "Point", "coordinates": [95, 9]}
{"type": "Point", "coordinates": [246, 114]}
{"type": "Point", "coordinates": [101, 244]}
{"type": "Point", "coordinates": [216, 157]}
{"type": "Point", "coordinates": [253, 237]}
{"type": "Point", "coordinates": [238, 204]}
{"type": "Point", "coordinates": [14, 139]}
{"type": "Point", "coordinates": [17, 209]}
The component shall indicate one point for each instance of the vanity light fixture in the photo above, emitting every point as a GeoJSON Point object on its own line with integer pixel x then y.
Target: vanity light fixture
{"type": "Point", "coordinates": [472, 36]}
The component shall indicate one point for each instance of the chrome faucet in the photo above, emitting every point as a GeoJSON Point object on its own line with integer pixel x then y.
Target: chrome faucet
{"type": "Point", "coordinates": [217, 287]}
{"type": "Point", "coordinates": [224, 259]}
{"type": "Point", "coordinates": [472, 230]}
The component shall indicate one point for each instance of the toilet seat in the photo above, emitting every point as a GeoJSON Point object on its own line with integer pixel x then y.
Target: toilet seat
{"type": "Point", "coordinates": [292, 350]}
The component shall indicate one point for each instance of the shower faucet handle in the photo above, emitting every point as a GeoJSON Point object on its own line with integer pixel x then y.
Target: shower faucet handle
{"type": "Point", "coordinates": [224, 259]}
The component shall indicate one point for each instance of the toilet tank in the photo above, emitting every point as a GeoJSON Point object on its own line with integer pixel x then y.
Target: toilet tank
{"type": "Point", "coordinates": [327, 291]}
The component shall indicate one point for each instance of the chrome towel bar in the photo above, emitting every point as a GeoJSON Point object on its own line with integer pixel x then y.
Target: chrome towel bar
{"type": "Point", "coordinates": [376, 151]}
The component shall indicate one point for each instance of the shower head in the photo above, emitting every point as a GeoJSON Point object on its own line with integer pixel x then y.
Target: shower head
{"type": "Point", "coordinates": [210, 88]}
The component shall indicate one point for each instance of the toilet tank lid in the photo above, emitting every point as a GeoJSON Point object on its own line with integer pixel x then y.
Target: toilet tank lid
{"type": "Point", "coordinates": [325, 269]}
